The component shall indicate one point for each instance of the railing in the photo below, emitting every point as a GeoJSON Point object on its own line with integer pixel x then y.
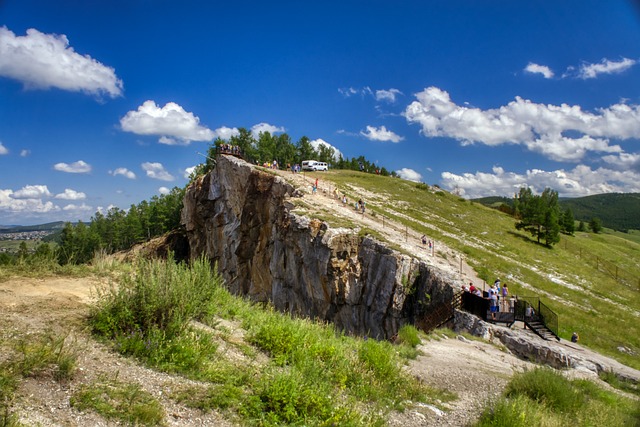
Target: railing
{"type": "Point", "coordinates": [541, 313]}
{"type": "Point", "coordinates": [475, 305]}
{"type": "Point", "coordinates": [548, 317]}
{"type": "Point", "coordinates": [440, 314]}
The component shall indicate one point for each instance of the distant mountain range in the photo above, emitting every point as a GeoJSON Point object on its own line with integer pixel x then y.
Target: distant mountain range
{"type": "Point", "coordinates": [50, 226]}
{"type": "Point", "coordinates": [618, 211]}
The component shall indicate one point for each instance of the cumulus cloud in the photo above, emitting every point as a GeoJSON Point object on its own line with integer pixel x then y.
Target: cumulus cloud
{"type": "Point", "coordinates": [171, 123]}
{"type": "Point", "coordinates": [188, 171]}
{"type": "Point", "coordinates": [226, 133]}
{"type": "Point", "coordinates": [43, 61]}
{"type": "Point", "coordinates": [259, 128]}
{"type": "Point", "coordinates": [21, 208]}
{"type": "Point", "coordinates": [316, 143]}
{"type": "Point", "coordinates": [70, 194]}
{"type": "Point", "coordinates": [25, 153]}
{"type": "Point", "coordinates": [591, 71]}
{"type": "Point", "coordinates": [32, 192]}
{"type": "Point", "coordinates": [164, 190]}
{"type": "Point", "coordinates": [77, 208]}
{"type": "Point", "coordinates": [560, 132]}
{"type": "Point", "coordinates": [124, 172]}
{"type": "Point", "coordinates": [578, 182]}
{"type": "Point", "coordinates": [75, 167]}
{"type": "Point", "coordinates": [409, 174]}
{"type": "Point", "coordinates": [380, 134]}
{"type": "Point", "coordinates": [3, 149]}
{"type": "Point", "coordinates": [387, 95]}
{"type": "Point", "coordinates": [157, 171]}
{"type": "Point", "coordinates": [624, 161]}
{"type": "Point", "coordinates": [539, 69]}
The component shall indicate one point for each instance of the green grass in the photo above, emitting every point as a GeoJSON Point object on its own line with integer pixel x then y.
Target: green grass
{"type": "Point", "coordinates": [570, 278]}
{"type": "Point", "coordinates": [116, 400]}
{"type": "Point", "coordinates": [296, 371]}
{"type": "Point", "coordinates": [543, 397]}
{"type": "Point", "coordinates": [33, 355]}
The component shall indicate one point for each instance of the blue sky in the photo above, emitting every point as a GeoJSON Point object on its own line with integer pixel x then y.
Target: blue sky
{"type": "Point", "coordinates": [107, 103]}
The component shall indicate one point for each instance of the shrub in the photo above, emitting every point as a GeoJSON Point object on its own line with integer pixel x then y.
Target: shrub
{"type": "Point", "coordinates": [158, 296]}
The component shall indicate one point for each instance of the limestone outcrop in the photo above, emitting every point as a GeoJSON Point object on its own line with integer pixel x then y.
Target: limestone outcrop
{"type": "Point", "coordinates": [241, 218]}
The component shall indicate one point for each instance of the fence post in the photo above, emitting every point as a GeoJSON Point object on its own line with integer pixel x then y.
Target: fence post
{"type": "Point", "coordinates": [406, 233]}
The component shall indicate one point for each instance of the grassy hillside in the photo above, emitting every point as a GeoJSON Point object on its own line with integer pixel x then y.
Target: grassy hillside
{"type": "Point", "coordinates": [577, 278]}
{"type": "Point", "coordinates": [617, 211]}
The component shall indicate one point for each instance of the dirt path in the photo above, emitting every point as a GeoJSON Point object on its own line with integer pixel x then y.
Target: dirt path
{"type": "Point", "coordinates": [406, 238]}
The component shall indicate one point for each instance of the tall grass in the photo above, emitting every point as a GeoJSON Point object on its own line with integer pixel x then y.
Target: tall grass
{"type": "Point", "coordinates": [543, 397]}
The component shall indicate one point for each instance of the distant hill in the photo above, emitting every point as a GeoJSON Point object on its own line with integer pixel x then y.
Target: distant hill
{"type": "Point", "coordinates": [618, 211]}
{"type": "Point", "coordinates": [50, 226]}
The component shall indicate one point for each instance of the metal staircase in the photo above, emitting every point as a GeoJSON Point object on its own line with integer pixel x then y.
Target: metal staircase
{"type": "Point", "coordinates": [440, 314]}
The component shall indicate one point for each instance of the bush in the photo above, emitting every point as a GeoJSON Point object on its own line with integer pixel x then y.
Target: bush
{"type": "Point", "coordinates": [543, 397]}
{"type": "Point", "coordinates": [547, 387]}
{"type": "Point", "coordinates": [159, 296]}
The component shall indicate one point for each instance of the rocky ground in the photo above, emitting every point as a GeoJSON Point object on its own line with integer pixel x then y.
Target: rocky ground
{"type": "Point", "coordinates": [476, 371]}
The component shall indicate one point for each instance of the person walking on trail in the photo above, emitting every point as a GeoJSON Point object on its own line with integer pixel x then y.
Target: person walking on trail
{"type": "Point", "coordinates": [424, 240]}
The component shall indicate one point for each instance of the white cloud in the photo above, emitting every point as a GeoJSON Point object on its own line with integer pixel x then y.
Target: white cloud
{"type": "Point", "coordinates": [157, 171]}
{"type": "Point", "coordinates": [265, 127]}
{"type": "Point", "coordinates": [226, 133]}
{"type": "Point", "coordinates": [581, 181]}
{"type": "Point", "coordinates": [591, 71]}
{"type": "Point", "coordinates": [409, 174]}
{"type": "Point", "coordinates": [25, 153]}
{"type": "Point", "coordinates": [188, 171]}
{"type": "Point", "coordinates": [380, 134]}
{"type": "Point", "coordinates": [316, 143]}
{"type": "Point", "coordinates": [540, 128]}
{"type": "Point", "coordinates": [350, 91]}
{"type": "Point", "coordinates": [539, 69]}
{"type": "Point", "coordinates": [124, 172]}
{"type": "Point", "coordinates": [20, 208]}
{"type": "Point", "coordinates": [387, 95]}
{"type": "Point", "coordinates": [171, 123]}
{"type": "Point", "coordinates": [32, 192]}
{"type": "Point", "coordinates": [624, 161]}
{"type": "Point", "coordinates": [42, 61]}
{"type": "Point", "coordinates": [70, 194]}
{"type": "Point", "coordinates": [3, 149]}
{"type": "Point", "coordinates": [77, 208]}
{"type": "Point", "coordinates": [75, 167]}
{"type": "Point", "coordinates": [164, 190]}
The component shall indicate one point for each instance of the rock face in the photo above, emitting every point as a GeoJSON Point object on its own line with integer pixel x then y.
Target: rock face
{"type": "Point", "coordinates": [240, 217]}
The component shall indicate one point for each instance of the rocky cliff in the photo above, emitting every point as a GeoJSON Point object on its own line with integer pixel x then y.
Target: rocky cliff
{"type": "Point", "coordinates": [240, 217]}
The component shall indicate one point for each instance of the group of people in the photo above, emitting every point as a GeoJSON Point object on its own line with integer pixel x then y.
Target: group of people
{"type": "Point", "coordinates": [294, 168]}
{"type": "Point", "coordinates": [230, 149]}
{"type": "Point", "coordinates": [424, 243]}
{"type": "Point", "coordinates": [499, 299]}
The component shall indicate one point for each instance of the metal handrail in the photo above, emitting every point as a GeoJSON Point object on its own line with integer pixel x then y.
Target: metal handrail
{"type": "Point", "coordinates": [548, 318]}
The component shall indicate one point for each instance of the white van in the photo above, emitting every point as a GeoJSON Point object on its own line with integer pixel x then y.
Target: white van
{"type": "Point", "coordinates": [313, 165]}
